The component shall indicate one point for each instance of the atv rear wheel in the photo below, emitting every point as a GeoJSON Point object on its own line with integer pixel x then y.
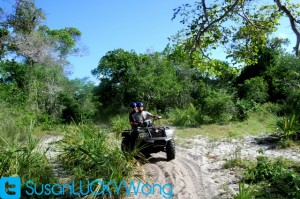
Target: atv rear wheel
{"type": "Point", "coordinates": [170, 149]}
{"type": "Point", "coordinates": [125, 145]}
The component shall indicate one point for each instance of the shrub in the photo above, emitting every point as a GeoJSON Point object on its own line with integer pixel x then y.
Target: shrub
{"type": "Point", "coordinates": [219, 106]}
{"type": "Point", "coordinates": [89, 153]}
{"type": "Point", "coordinates": [256, 89]}
{"type": "Point", "coordinates": [280, 180]}
{"type": "Point", "coordinates": [189, 117]}
{"type": "Point", "coordinates": [243, 108]}
{"type": "Point", "coordinates": [289, 127]}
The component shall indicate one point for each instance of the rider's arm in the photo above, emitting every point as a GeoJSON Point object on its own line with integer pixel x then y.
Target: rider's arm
{"type": "Point", "coordinates": [153, 116]}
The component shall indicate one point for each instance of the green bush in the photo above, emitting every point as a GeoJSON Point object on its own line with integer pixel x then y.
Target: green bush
{"type": "Point", "coordinates": [289, 126]}
{"type": "Point", "coordinates": [243, 108]}
{"type": "Point", "coordinates": [189, 117]}
{"type": "Point", "coordinates": [219, 106]}
{"type": "Point", "coordinates": [256, 89]}
{"type": "Point", "coordinates": [89, 153]}
{"type": "Point", "coordinates": [281, 181]}
{"type": "Point", "coordinates": [46, 121]}
{"type": "Point", "coordinates": [292, 101]}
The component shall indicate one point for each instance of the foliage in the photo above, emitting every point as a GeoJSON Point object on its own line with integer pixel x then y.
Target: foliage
{"type": "Point", "coordinates": [256, 89]}
{"type": "Point", "coordinates": [246, 191]}
{"type": "Point", "coordinates": [119, 123]}
{"type": "Point", "coordinates": [32, 75]}
{"type": "Point", "coordinates": [239, 26]}
{"type": "Point", "coordinates": [283, 77]}
{"type": "Point", "coordinates": [219, 106]}
{"type": "Point", "coordinates": [20, 153]}
{"type": "Point", "coordinates": [289, 126]}
{"type": "Point", "coordinates": [282, 182]}
{"type": "Point", "coordinates": [243, 108]}
{"type": "Point", "coordinates": [78, 101]}
{"type": "Point", "coordinates": [89, 153]}
{"type": "Point", "coordinates": [63, 41]}
{"type": "Point", "coordinates": [188, 117]}
{"type": "Point", "coordinates": [26, 17]}
{"type": "Point", "coordinates": [126, 76]}
{"type": "Point", "coordinates": [259, 122]}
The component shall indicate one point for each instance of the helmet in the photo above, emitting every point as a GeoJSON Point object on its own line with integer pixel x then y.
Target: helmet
{"type": "Point", "coordinates": [139, 104]}
{"type": "Point", "coordinates": [132, 104]}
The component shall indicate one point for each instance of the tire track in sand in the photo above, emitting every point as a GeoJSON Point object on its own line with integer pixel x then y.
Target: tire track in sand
{"type": "Point", "coordinates": [187, 174]}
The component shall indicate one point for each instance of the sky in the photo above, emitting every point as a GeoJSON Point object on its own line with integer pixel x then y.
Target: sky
{"type": "Point", "coordinates": [110, 24]}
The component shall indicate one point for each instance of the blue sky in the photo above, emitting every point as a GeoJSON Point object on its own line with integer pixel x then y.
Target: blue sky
{"type": "Point", "coordinates": [108, 25]}
{"type": "Point", "coordinates": [111, 24]}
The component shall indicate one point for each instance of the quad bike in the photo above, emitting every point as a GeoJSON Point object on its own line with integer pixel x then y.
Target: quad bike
{"type": "Point", "coordinates": [150, 139]}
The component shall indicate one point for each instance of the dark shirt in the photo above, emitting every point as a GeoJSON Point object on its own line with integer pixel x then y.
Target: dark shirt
{"type": "Point", "coordinates": [131, 116]}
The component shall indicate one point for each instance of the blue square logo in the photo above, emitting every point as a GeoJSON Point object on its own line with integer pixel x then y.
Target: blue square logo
{"type": "Point", "coordinates": [10, 188]}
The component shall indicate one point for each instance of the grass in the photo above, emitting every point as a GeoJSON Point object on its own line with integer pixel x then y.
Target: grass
{"type": "Point", "coordinates": [236, 161]}
{"type": "Point", "coordinates": [258, 123]}
{"type": "Point", "coordinates": [246, 191]}
{"type": "Point", "coordinates": [21, 156]}
{"type": "Point", "coordinates": [89, 153]}
{"type": "Point", "coordinates": [119, 123]}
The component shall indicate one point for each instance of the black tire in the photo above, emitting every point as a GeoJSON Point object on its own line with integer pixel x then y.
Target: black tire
{"type": "Point", "coordinates": [170, 149]}
{"type": "Point", "coordinates": [125, 145]}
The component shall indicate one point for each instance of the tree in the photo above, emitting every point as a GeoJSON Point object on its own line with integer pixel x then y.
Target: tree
{"type": "Point", "coordinates": [77, 100]}
{"type": "Point", "coordinates": [22, 33]}
{"type": "Point", "coordinates": [37, 79]}
{"type": "Point", "coordinates": [293, 15]}
{"type": "Point", "coordinates": [151, 78]}
{"type": "Point", "coordinates": [117, 73]}
{"type": "Point", "coordinates": [25, 17]}
{"type": "Point", "coordinates": [63, 41]}
{"type": "Point", "coordinates": [238, 25]}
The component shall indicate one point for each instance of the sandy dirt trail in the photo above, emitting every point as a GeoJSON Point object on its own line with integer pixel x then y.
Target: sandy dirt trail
{"type": "Point", "coordinates": [195, 173]}
{"type": "Point", "coordinates": [187, 173]}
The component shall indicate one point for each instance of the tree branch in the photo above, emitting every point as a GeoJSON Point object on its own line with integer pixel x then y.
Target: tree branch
{"type": "Point", "coordinates": [293, 24]}
{"type": "Point", "coordinates": [203, 29]}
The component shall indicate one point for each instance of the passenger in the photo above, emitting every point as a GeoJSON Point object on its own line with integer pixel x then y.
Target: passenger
{"type": "Point", "coordinates": [133, 111]}
{"type": "Point", "coordinates": [140, 116]}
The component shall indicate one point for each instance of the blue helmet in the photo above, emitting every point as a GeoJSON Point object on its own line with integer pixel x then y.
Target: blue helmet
{"type": "Point", "coordinates": [139, 104]}
{"type": "Point", "coordinates": [132, 104]}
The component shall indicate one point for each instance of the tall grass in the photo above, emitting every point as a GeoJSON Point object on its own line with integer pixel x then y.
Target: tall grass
{"type": "Point", "coordinates": [24, 160]}
{"type": "Point", "coordinates": [14, 121]}
{"type": "Point", "coordinates": [19, 151]}
{"type": "Point", "coordinates": [89, 153]}
{"type": "Point", "coordinates": [119, 123]}
{"type": "Point", "coordinates": [189, 117]}
{"type": "Point", "coordinates": [246, 191]}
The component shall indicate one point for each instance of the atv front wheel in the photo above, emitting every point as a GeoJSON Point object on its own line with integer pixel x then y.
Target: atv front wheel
{"type": "Point", "coordinates": [170, 149]}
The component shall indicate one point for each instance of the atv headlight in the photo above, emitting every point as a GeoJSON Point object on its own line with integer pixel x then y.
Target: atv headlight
{"type": "Point", "coordinates": [169, 132]}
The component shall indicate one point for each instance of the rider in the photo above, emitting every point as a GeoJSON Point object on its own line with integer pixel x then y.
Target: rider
{"type": "Point", "coordinates": [140, 116]}
{"type": "Point", "coordinates": [133, 111]}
